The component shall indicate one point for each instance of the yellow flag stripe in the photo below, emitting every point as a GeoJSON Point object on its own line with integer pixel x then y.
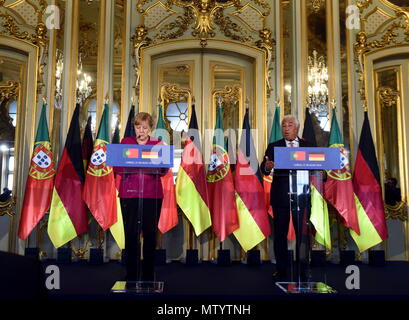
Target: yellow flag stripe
{"type": "Point", "coordinates": [320, 218]}
{"type": "Point", "coordinates": [248, 234]}
{"type": "Point", "coordinates": [191, 203]}
{"type": "Point", "coordinates": [117, 229]}
{"type": "Point", "coordinates": [60, 227]}
{"type": "Point", "coordinates": [368, 237]}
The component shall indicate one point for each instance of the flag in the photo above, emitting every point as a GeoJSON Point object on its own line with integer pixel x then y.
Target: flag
{"type": "Point", "coordinates": [220, 185]}
{"type": "Point", "coordinates": [252, 214]}
{"type": "Point", "coordinates": [169, 213]}
{"type": "Point", "coordinates": [367, 188]}
{"type": "Point", "coordinates": [192, 195]}
{"type": "Point", "coordinates": [275, 135]}
{"type": "Point", "coordinates": [338, 189]}
{"type": "Point", "coordinates": [40, 180]}
{"type": "Point", "coordinates": [68, 217]}
{"type": "Point", "coordinates": [319, 210]}
{"type": "Point", "coordinates": [87, 144]}
{"type": "Point", "coordinates": [99, 190]}
{"type": "Point", "coordinates": [130, 129]}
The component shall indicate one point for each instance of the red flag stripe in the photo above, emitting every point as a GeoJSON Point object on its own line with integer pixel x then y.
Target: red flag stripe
{"type": "Point", "coordinates": [193, 165]}
{"type": "Point", "coordinates": [254, 199]}
{"type": "Point", "coordinates": [369, 193]}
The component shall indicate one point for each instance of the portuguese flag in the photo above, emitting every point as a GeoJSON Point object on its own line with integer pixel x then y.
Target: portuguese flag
{"type": "Point", "coordinates": [367, 188]}
{"type": "Point", "coordinates": [338, 187]}
{"type": "Point", "coordinates": [252, 214]}
{"type": "Point", "coordinates": [168, 213]}
{"type": "Point", "coordinates": [40, 180]}
{"type": "Point", "coordinates": [68, 212]}
{"type": "Point", "coordinates": [99, 190]}
{"type": "Point", "coordinates": [191, 189]}
{"type": "Point", "coordinates": [220, 185]}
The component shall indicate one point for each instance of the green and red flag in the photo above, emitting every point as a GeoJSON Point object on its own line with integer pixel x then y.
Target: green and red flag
{"type": "Point", "coordinates": [220, 185]}
{"type": "Point", "coordinates": [40, 180]}
{"type": "Point", "coordinates": [367, 188]}
{"type": "Point", "coordinates": [338, 189]}
{"type": "Point", "coordinates": [100, 193]}
{"type": "Point", "coordinates": [68, 212]}
{"type": "Point", "coordinates": [252, 214]}
{"type": "Point", "coordinates": [169, 214]}
{"type": "Point", "coordinates": [191, 188]}
{"type": "Point", "coordinates": [319, 210]}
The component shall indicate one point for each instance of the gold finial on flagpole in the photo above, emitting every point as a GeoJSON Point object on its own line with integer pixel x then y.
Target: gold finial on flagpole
{"type": "Point", "coordinates": [106, 99]}
{"type": "Point", "coordinates": [333, 104]}
{"type": "Point", "coordinates": [132, 100]}
{"type": "Point", "coordinates": [44, 100]}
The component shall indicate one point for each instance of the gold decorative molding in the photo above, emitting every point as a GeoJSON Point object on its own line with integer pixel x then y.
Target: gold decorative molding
{"type": "Point", "coordinates": [388, 96]}
{"type": "Point", "coordinates": [39, 37]}
{"type": "Point", "coordinates": [398, 211]}
{"type": "Point", "coordinates": [363, 4]}
{"type": "Point", "coordinates": [230, 95]}
{"type": "Point", "coordinates": [267, 43]}
{"type": "Point", "coordinates": [139, 40]}
{"type": "Point", "coordinates": [8, 207]}
{"type": "Point", "coordinates": [170, 93]}
{"type": "Point", "coordinates": [10, 90]}
{"type": "Point", "coordinates": [316, 5]}
{"type": "Point", "coordinates": [180, 26]}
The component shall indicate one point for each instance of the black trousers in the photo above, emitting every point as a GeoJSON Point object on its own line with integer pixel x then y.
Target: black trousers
{"type": "Point", "coordinates": [280, 224]}
{"type": "Point", "coordinates": [144, 223]}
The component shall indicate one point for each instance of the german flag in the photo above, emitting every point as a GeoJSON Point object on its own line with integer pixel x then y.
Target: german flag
{"type": "Point", "coordinates": [368, 193]}
{"type": "Point", "coordinates": [316, 156]}
{"type": "Point", "coordinates": [148, 154]}
{"type": "Point", "coordinates": [191, 188]}
{"type": "Point", "coordinates": [68, 212]}
{"type": "Point", "coordinates": [252, 213]}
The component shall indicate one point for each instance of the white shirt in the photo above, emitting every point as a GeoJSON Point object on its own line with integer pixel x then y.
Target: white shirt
{"type": "Point", "coordinates": [295, 142]}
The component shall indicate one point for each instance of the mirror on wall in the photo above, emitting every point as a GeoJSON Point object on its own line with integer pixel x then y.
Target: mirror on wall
{"type": "Point", "coordinates": [388, 106]}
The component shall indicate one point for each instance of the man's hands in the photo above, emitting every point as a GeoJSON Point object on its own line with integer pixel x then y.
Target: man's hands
{"type": "Point", "coordinates": [269, 164]}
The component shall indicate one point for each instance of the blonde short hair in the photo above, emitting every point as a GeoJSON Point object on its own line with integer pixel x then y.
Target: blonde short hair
{"type": "Point", "coordinates": [143, 116]}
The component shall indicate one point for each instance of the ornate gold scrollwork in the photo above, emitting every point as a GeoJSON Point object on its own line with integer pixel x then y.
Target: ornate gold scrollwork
{"type": "Point", "coordinates": [170, 93]}
{"type": "Point", "coordinates": [388, 96]}
{"type": "Point", "coordinates": [398, 211]}
{"type": "Point", "coordinates": [81, 252]}
{"type": "Point", "coordinates": [139, 40]}
{"type": "Point", "coordinates": [316, 5]}
{"type": "Point", "coordinates": [204, 13]}
{"type": "Point", "coordinates": [181, 24]}
{"type": "Point", "coordinates": [230, 95]}
{"type": "Point", "coordinates": [267, 43]}
{"type": "Point", "coordinates": [363, 4]}
{"type": "Point", "coordinates": [389, 36]}
{"type": "Point", "coordinates": [39, 38]}
{"type": "Point", "coordinates": [9, 91]}
{"type": "Point", "coordinates": [8, 207]}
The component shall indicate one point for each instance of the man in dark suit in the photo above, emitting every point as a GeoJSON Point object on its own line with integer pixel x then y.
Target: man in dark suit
{"type": "Point", "coordinates": [281, 201]}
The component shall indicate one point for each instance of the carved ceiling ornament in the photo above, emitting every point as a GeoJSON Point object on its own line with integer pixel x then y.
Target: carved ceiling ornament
{"type": "Point", "coordinates": [202, 17]}
{"type": "Point", "coordinates": [38, 38]}
{"type": "Point", "coordinates": [395, 32]}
